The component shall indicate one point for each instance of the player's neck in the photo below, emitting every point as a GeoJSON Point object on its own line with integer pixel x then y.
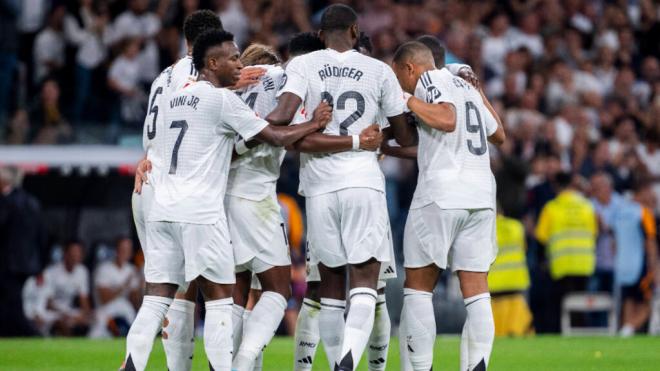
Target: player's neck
{"type": "Point", "coordinates": [206, 76]}
{"type": "Point", "coordinates": [340, 44]}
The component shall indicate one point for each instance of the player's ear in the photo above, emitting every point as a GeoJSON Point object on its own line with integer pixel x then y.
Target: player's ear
{"type": "Point", "coordinates": [355, 31]}
{"type": "Point", "coordinates": [410, 68]}
{"type": "Point", "coordinates": [321, 35]}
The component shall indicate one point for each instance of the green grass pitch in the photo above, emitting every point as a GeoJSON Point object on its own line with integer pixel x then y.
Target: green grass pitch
{"type": "Point", "coordinates": [536, 353]}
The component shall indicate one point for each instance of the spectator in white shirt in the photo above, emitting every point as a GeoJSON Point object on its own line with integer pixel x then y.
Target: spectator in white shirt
{"type": "Point", "coordinates": [116, 292]}
{"type": "Point", "coordinates": [31, 20]}
{"type": "Point", "coordinates": [37, 305]}
{"type": "Point", "coordinates": [49, 46]}
{"type": "Point", "coordinates": [496, 45]}
{"type": "Point", "coordinates": [124, 79]}
{"type": "Point", "coordinates": [69, 284]}
{"type": "Point", "coordinates": [527, 36]}
{"type": "Point", "coordinates": [139, 22]}
{"type": "Point", "coordinates": [86, 28]}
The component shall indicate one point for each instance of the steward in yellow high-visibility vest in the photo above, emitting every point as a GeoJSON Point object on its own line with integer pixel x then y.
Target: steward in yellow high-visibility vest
{"type": "Point", "coordinates": [568, 227]}
{"type": "Point", "coordinates": [508, 279]}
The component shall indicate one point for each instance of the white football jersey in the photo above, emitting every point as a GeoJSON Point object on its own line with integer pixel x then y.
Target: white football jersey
{"type": "Point", "coordinates": [201, 122]}
{"type": "Point", "coordinates": [358, 87]}
{"type": "Point", "coordinates": [170, 80]}
{"type": "Point", "coordinates": [454, 168]}
{"type": "Point", "coordinates": [254, 174]}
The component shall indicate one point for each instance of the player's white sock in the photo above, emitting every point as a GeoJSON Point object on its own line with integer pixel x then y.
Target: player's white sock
{"type": "Point", "coordinates": [359, 323]}
{"type": "Point", "coordinates": [331, 327]}
{"type": "Point", "coordinates": [404, 359]}
{"type": "Point", "coordinates": [464, 348]}
{"type": "Point", "coordinates": [140, 338]}
{"type": "Point", "coordinates": [258, 363]}
{"type": "Point", "coordinates": [259, 330]}
{"type": "Point", "coordinates": [218, 333]}
{"type": "Point", "coordinates": [307, 335]}
{"type": "Point", "coordinates": [480, 331]}
{"type": "Point", "coordinates": [237, 313]}
{"type": "Point", "coordinates": [419, 321]}
{"type": "Point", "coordinates": [379, 341]}
{"type": "Point", "coordinates": [179, 335]}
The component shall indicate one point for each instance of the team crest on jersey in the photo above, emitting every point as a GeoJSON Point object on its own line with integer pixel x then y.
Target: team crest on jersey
{"type": "Point", "coordinates": [283, 82]}
{"type": "Point", "coordinates": [432, 93]}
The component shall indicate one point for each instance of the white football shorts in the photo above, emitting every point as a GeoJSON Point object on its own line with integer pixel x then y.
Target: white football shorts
{"type": "Point", "coordinates": [141, 204]}
{"type": "Point", "coordinates": [387, 269]}
{"type": "Point", "coordinates": [349, 226]}
{"type": "Point", "coordinates": [457, 238]}
{"type": "Point", "coordinates": [180, 252]}
{"type": "Point", "coordinates": [257, 231]}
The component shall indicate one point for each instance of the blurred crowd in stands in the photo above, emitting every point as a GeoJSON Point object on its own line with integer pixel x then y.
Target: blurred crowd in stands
{"type": "Point", "coordinates": [577, 83]}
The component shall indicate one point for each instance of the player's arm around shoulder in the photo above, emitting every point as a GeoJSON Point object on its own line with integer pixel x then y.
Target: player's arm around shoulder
{"type": "Point", "coordinates": [499, 136]}
{"type": "Point", "coordinates": [436, 109]}
{"type": "Point", "coordinates": [440, 116]}
{"type": "Point", "coordinates": [283, 136]}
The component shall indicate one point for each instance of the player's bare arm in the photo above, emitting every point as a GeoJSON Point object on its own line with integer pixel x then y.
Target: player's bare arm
{"type": "Point", "coordinates": [287, 105]}
{"type": "Point", "coordinates": [143, 167]}
{"type": "Point", "coordinates": [369, 140]}
{"type": "Point", "coordinates": [285, 135]}
{"type": "Point", "coordinates": [406, 152]}
{"type": "Point", "coordinates": [441, 116]}
{"type": "Point", "coordinates": [249, 75]}
{"type": "Point", "coordinates": [499, 136]}
{"type": "Point", "coordinates": [404, 133]}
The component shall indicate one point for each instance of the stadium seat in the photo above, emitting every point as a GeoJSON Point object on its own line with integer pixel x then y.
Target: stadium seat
{"type": "Point", "coordinates": [583, 302]}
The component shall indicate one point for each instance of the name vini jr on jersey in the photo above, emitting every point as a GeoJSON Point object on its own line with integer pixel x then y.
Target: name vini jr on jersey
{"type": "Point", "coordinates": [334, 71]}
{"type": "Point", "coordinates": [184, 100]}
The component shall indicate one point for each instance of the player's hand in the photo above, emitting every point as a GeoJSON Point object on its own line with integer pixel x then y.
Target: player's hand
{"type": "Point", "coordinates": [468, 75]}
{"type": "Point", "coordinates": [322, 114]}
{"type": "Point", "coordinates": [249, 76]}
{"type": "Point", "coordinates": [371, 138]}
{"type": "Point", "coordinates": [143, 167]}
{"type": "Point", "coordinates": [384, 150]}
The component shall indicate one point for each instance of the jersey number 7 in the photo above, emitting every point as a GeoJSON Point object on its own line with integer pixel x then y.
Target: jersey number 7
{"type": "Point", "coordinates": [183, 125]}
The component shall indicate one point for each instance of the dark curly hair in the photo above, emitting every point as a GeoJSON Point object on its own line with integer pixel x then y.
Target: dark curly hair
{"type": "Point", "coordinates": [338, 17]}
{"type": "Point", "coordinates": [206, 41]}
{"type": "Point", "coordinates": [198, 22]}
{"type": "Point", "coordinates": [303, 43]}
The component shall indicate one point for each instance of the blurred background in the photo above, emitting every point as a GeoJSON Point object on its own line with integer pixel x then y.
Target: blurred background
{"type": "Point", "coordinates": [576, 82]}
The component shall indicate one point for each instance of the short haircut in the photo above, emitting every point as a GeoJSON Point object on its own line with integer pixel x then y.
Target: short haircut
{"type": "Point", "coordinates": [206, 41]}
{"type": "Point", "coordinates": [68, 244]}
{"type": "Point", "coordinates": [199, 22]}
{"type": "Point", "coordinates": [564, 179]}
{"type": "Point", "coordinates": [413, 50]}
{"type": "Point", "coordinates": [364, 41]}
{"type": "Point", "coordinates": [259, 54]}
{"type": "Point", "coordinates": [338, 17]}
{"type": "Point", "coordinates": [303, 43]}
{"type": "Point", "coordinates": [436, 47]}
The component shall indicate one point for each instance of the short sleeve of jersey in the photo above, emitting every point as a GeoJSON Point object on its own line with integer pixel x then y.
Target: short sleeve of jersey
{"type": "Point", "coordinates": [392, 103]}
{"type": "Point", "coordinates": [433, 87]}
{"type": "Point", "coordinates": [294, 78]}
{"type": "Point", "coordinates": [238, 117]}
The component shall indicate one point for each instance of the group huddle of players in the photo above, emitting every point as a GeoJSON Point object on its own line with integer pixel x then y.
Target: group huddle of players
{"type": "Point", "coordinates": [218, 125]}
